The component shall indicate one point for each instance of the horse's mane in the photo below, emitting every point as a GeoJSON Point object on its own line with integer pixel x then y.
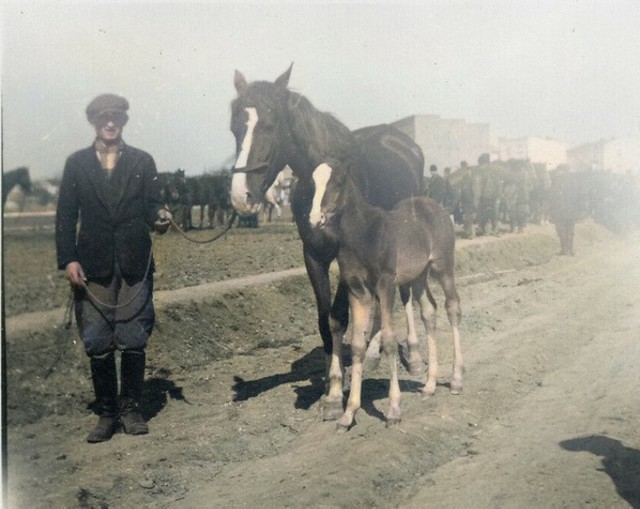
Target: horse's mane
{"type": "Point", "coordinates": [326, 138]}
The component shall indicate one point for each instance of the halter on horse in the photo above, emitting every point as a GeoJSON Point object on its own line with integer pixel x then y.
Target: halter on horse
{"type": "Point", "coordinates": [275, 127]}
{"type": "Point", "coordinates": [18, 177]}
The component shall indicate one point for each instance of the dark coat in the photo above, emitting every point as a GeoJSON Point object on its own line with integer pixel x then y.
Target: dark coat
{"type": "Point", "coordinates": [116, 213]}
{"type": "Point", "coordinates": [437, 190]}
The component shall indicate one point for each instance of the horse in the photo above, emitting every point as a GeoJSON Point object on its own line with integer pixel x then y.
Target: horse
{"type": "Point", "coordinates": [378, 250]}
{"type": "Point", "coordinates": [214, 194]}
{"type": "Point", "coordinates": [18, 177]}
{"type": "Point", "coordinates": [274, 127]}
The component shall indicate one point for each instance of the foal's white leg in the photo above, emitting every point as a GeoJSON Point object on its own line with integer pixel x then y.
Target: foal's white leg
{"type": "Point", "coordinates": [390, 347]}
{"type": "Point", "coordinates": [428, 315]}
{"type": "Point", "coordinates": [332, 404]}
{"type": "Point", "coordinates": [361, 320]}
{"type": "Point", "coordinates": [458, 365]}
{"type": "Point", "coordinates": [452, 305]}
{"type": "Point", "coordinates": [413, 361]}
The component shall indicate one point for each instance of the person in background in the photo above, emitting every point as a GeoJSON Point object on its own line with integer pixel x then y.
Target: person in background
{"type": "Point", "coordinates": [437, 186]}
{"type": "Point", "coordinates": [111, 189]}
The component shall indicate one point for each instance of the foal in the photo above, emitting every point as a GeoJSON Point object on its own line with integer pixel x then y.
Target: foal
{"type": "Point", "coordinates": [381, 249]}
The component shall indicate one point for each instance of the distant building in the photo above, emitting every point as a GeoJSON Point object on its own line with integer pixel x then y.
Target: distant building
{"type": "Point", "coordinates": [536, 149]}
{"type": "Point", "coordinates": [446, 142]}
{"type": "Point", "coordinates": [618, 155]}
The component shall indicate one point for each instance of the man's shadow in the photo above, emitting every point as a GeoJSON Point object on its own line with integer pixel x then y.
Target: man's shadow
{"type": "Point", "coordinates": [620, 463]}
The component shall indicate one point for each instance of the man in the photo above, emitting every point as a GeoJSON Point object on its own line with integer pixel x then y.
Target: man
{"type": "Point", "coordinates": [113, 189]}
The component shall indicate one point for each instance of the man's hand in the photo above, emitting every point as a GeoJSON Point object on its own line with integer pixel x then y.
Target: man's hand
{"type": "Point", "coordinates": [163, 222]}
{"type": "Point", "coordinates": [75, 274]}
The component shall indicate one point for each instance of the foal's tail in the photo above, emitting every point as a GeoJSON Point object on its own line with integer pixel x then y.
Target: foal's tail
{"type": "Point", "coordinates": [426, 284]}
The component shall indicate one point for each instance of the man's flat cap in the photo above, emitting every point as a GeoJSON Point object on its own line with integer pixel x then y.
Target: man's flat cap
{"type": "Point", "coordinates": [106, 103]}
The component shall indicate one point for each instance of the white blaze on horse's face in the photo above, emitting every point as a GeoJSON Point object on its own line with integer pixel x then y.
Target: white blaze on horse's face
{"type": "Point", "coordinates": [239, 190]}
{"type": "Point", "coordinates": [252, 120]}
{"type": "Point", "coordinates": [321, 176]}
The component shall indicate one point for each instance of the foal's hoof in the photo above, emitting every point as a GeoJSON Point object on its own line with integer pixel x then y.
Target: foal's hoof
{"type": "Point", "coordinates": [427, 394]}
{"type": "Point", "coordinates": [344, 424]}
{"type": "Point", "coordinates": [412, 363]}
{"type": "Point", "coordinates": [456, 388]}
{"type": "Point", "coordinates": [391, 422]}
{"type": "Point", "coordinates": [393, 416]}
{"type": "Point", "coordinates": [340, 428]}
{"type": "Point", "coordinates": [330, 410]}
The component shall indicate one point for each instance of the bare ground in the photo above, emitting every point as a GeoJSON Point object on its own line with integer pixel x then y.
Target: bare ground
{"type": "Point", "coordinates": [548, 417]}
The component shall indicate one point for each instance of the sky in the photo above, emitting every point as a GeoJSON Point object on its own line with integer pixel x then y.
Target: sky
{"type": "Point", "coordinates": [566, 69]}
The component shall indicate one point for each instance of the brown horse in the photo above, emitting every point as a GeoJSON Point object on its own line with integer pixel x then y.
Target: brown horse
{"type": "Point", "coordinates": [378, 250]}
{"type": "Point", "coordinates": [275, 127]}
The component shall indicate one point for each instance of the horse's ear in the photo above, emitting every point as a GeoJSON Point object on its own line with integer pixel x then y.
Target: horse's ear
{"type": "Point", "coordinates": [239, 82]}
{"type": "Point", "coordinates": [283, 79]}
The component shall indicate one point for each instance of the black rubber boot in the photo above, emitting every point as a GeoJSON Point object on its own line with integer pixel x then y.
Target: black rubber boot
{"type": "Point", "coordinates": [105, 386]}
{"type": "Point", "coordinates": [132, 379]}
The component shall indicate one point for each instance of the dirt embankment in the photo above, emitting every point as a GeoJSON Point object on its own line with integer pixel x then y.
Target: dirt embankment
{"type": "Point", "coordinates": [548, 416]}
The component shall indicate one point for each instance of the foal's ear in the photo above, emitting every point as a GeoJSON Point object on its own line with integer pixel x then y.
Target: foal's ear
{"type": "Point", "coordinates": [239, 82]}
{"type": "Point", "coordinates": [283, 79]}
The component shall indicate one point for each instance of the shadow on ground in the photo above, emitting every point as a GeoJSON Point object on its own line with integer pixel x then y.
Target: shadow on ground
{"type": "Point", "coordinates": [620, 463]}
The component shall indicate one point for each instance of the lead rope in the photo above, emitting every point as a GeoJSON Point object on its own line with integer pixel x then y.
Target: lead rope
{"type": "Point", "coordinates": [198, 241]}
{"type": "Point", "coordinates": [68, 314]}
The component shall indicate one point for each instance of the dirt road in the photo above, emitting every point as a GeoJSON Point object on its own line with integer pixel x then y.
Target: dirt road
{"type": "Point", "coordinates": [548, 417]}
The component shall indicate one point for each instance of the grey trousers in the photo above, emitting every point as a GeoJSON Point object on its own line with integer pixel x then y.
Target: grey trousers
{"type": "Point", "coordinates": [103, 328]}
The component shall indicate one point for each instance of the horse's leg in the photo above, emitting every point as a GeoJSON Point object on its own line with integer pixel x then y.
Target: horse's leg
{"type": "Point", "coordinates": [372, 356]}
{"type": "Point", "coordinates": [331, 334]}
{"type": "Point", "coordinates": [211, 214]}
{"type": "Point", "coordinates": [428, 316]}
{"type": "Point", "coordinates": [386, 292]}
{"type": "Point", "coordinates": [452, 306]}
{"type": "Point", "coordinates": [339, 318]}
{"type": "Point", "coordinates": [360, 306]}
{"type": "Point", "coordinates": [410, 357]}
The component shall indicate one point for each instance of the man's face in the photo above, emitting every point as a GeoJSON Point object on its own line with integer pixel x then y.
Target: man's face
{"type": "Point", "coordinates": [109, 126]}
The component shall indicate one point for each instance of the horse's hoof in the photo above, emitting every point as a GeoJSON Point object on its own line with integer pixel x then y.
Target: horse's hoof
{"type": "Point", "coordinates": [343, 424]}
{"type": "Point", "coordinates": [427, 394]}
{"type": "Point", "coordinates": [341, 428]}
{"type": "Point", "coordinates": [393, 416]}
{"type": "Point", "coordinates": [391, 422]}
{"type": "Point", "coordinates": [330, 410]}
{"type": "Point", "coordinates": [456, 388]}
{"type": "Point", "coordinates": [413, 363]}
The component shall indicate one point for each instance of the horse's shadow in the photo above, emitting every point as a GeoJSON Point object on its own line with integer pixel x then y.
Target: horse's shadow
{"type": "Point", "coordinates": [619, 462]}
{"type": "Point", "coordinates": [156, 394]}
{"type": "Point", "coordinates": [310, 368]}
{"type": "Point", "coordinates": [377, 388]}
